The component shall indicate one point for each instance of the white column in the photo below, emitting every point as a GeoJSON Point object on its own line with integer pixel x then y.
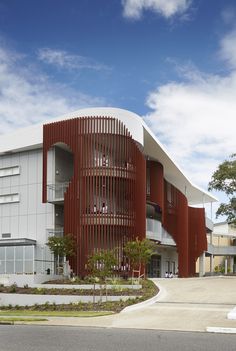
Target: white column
{"type": "Point", "coordinates": [202, 265]}
{"type": "Point", "coordinates": [231, 264]}
{"type": "Point", "coordinates": [33, 259]}
{"type": "Point", "coordinates": [5, 262]}
{"type": "Point", "coordinates": [226, 266]}
{"type": "Point", "coordinates": [211, 263]}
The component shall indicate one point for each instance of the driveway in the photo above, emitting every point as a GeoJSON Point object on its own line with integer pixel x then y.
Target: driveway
{"type": "Point", "coordinates": [191, 304]}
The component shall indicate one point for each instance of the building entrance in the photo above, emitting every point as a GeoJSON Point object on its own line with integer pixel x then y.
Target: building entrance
{"type": "Point", "coordinates": [154, 267]}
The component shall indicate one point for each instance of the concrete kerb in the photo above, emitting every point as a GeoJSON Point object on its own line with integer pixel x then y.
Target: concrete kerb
{"type": "Point", "coordinates": [232, 314]}
{"type": "Point", "coordinates": [161, 293]}
{"type": "Point", "coordinates": [221, 330]}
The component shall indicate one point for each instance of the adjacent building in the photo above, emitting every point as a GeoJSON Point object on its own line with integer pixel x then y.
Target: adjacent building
{"type": "Point", "coordinates": [220, 256]}
{"type": "Point", "coordinates": [101, 175]}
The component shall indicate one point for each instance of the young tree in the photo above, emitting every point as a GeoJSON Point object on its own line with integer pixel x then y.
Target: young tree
{"type": "Point", "coordinates": [224, 179]}
{"type": "Point", "coordinates": [139, 252]}
{"type": "Point", "coordinates": [101, 265]}
{"type": "Point", "coordinates": [61, 247]}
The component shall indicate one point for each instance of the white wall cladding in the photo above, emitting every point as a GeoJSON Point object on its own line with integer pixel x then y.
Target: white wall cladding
{"type": "Point", "coordinates": [30, 217]}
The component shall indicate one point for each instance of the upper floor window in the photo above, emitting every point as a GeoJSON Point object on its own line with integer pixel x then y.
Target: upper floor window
{"type": "Point", "coordinates": [8, 198]}
{"type": "Point", "coordinates": [9, 171]}
{"type": "Point", "coordinates": [6, 235]}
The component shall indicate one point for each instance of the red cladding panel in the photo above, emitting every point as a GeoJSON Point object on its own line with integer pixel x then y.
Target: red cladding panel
{"type": "Point", "coordinates": [104, 204]}
{"type": "Point", "coordinates": [197, 236]}
{"type": "Point", "coordinates": [187, 227]}
{"type": "Point", "coordinates": [156, 183]}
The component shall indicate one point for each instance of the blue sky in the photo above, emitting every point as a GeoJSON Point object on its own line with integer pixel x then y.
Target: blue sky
{"type": "Point", "coordinates": [171, 61]}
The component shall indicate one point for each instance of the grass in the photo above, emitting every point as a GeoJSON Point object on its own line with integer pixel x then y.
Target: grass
{"type": "Point", "coordinates": [13, 312]}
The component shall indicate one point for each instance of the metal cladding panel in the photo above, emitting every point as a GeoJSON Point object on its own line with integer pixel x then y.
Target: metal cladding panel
{"type": "Point", "coordinates": [197, 236]}
{"type": "Point", "coordinates": [157, 183]}
{"type": "Point", "coordinates": [104, 204]}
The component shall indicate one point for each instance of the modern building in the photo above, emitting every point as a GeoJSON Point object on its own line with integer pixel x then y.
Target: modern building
{"type": "Point", "coordinates": [220, 256]}
{"type": "Point", "coordinates": [101, 175]}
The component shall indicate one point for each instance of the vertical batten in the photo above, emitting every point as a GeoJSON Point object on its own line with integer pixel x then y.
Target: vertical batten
{"type": "Point", "coordinates": [99, 179]}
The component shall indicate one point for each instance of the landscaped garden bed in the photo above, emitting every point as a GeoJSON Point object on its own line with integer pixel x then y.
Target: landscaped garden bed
{"type": "Point", "coordinates": [148, 290]}
{"type": "Point", "coordinates": [114, 290]}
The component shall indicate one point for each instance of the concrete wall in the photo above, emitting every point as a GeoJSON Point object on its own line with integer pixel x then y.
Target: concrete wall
{"type": "Point", "coordinates": [29, 279]}
{"type": "Point", "coordinates": [30, 299]}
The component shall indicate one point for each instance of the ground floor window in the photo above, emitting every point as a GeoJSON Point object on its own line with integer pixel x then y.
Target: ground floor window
{"type": "Point", "coordinates": [25, 259]}
{"type": "Point", "coordinates": [154, 267]}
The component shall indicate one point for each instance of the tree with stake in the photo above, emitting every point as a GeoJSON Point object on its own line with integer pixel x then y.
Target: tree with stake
{"type": "Point", "coordinates": [101, 265]}
{"type": "Point", "coordinates": [61, 247]}
{"type": "Point", "coordinates": [224, 179]}
{"type": "Point", "coordinates": [139, 253]}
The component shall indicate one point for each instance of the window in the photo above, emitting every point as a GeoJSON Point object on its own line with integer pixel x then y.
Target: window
{"type": "Point", "coordinates": [6, 235]}
{"type": "Point", "coordinates": [9, 171]}
{"type": "Point", "coordinates": [8, 198]}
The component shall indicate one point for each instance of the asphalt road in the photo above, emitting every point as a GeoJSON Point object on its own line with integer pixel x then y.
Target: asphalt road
{"type": "Point", "coordinates": [49, 338]}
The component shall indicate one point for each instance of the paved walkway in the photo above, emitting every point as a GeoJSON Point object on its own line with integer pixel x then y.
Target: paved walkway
{"type": "Point", "coordinates": [192, 304]}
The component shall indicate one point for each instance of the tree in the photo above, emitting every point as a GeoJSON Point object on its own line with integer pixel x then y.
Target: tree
{"type": "Point", "coordinates": [224, 179]}
{"type": "Point", "coordinates": [139, 252]}
{"type": "Point", "coordinates": [61, 247]}
{"type": "Point", "coordinates": [101, 265]}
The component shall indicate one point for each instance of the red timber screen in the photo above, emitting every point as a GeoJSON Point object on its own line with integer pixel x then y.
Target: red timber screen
{"type": "Point", "coordinates": [104, 204]}
{"type": "Point", "coordinates": [185, 224]}
{"type": "Point", "coordinates": [187, 227]}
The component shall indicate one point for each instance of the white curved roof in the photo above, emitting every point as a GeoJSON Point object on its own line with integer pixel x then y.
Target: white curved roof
{"type": "Point", "coordinates": [32, 137]}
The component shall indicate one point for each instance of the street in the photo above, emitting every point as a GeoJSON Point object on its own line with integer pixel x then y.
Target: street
{"type": "Point", "coordinates": [51, 338]}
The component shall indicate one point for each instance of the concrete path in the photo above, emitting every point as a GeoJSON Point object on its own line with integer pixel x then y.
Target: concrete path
{"type": "Point", "coordinates": [187, 305]}
{"type": "Point", "coordinates": [192, 304]}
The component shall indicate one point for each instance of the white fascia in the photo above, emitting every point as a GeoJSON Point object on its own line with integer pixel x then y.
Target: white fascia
{"type": "Point", "coordinates": [32, 137]}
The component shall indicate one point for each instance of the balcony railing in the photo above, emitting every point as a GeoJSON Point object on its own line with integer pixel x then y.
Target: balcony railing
{"type": "Point", "coordinates": [107, 219]}
{"type": "Point", "coordinates": [221, 250]}
{"type": "Point", "coordinates": [55, 232]}
{"type": "Point", "coordinates": [155, 231]}
{"type": "Point", "coordinates": [57, 191]}
{"type": "Point", "coordinates": [119, 172]}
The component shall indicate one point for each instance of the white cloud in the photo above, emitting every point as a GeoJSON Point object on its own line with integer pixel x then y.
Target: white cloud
{"type": "Point", "coordinates": [195, 118]}
{"type": "Point", "coordinates": [228, 48]}
{"type": "Point", "coordinates": [65, 60]}
{"type": "Point", "coordinates": [28, 96]}
{"type": "Point", "coordinates": [166, 8]}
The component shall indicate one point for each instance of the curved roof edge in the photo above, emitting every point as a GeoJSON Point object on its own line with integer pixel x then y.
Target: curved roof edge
{"type": "Point", "coordinates": [32, 137]}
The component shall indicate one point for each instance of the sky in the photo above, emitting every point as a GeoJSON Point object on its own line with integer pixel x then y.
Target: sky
{"type": "Point", "coordinates": [173, 62]}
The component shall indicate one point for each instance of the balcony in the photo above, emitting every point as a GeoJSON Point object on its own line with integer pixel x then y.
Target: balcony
{"type": "Point", "coordinates": [155, 231]}
{"type": "Point", "coordinates": [105, 171]}
{"type": "Point", "coordinates": [59, 232]}
{"type": "Point", "coordinates": [107, 219]}
{"type": "Point", "coordinates": [56, 192]}
{"type": "Point", "coordinates": [221, 250]}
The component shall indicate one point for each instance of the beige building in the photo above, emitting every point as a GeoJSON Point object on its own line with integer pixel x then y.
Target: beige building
{"type": "Point", "coordinates": [221, 254]}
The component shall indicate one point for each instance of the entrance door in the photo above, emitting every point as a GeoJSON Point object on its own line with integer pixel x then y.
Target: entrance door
{"type": "Point", "coordinates": [154, 267]}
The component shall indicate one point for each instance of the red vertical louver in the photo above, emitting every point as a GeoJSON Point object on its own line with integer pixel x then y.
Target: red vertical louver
{"type": "Point", "coordinates": [187, 227]}
{"type": "Point", "coordinates": [104, 204]}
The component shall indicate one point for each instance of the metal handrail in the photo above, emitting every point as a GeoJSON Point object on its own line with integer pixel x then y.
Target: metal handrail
{"type": "Point", "coordinates": [56, 191]}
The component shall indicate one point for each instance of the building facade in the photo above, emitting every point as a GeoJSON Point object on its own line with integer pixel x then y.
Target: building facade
{"type": "Point", "coordinates": [220, 257]}
{"type": "Point", "coordinates": [103, 177]}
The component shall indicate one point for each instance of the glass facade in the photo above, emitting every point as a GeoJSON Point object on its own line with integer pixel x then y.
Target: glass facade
{"type": "Point", "coordinates": [25, 259]}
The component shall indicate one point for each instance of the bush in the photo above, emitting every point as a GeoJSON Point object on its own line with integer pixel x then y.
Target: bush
{"type": "Point", "coordinates": [13, 288]}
